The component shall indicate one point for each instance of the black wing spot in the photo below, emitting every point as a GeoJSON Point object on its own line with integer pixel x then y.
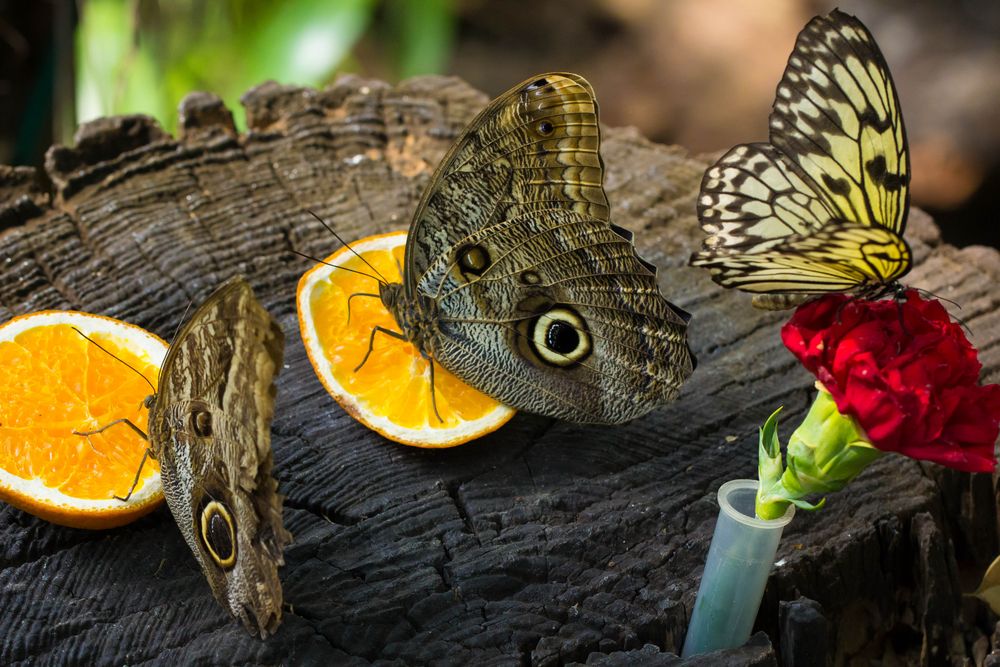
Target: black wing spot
{"type": "Point", "coordinates": [876, 168]}
{"type": "Point", "coordinates": [878, 172]}
{"type": "Point", "coordinates": [545, 128]}
{"type": "Point", "coordinates": [473, 259]}
{"type": "Point", "coordinates": [838, 186]}
{"type": "Point", "coordinates": [562, 337]}
{"type": "Point", "coordinates": [871, 119]}
{"type": "Point", "coordinates": [538, 83]}
{"type": "Point", "coordinates": [201, 423]}
{"type": "Point", "coordinates": [219, 536]}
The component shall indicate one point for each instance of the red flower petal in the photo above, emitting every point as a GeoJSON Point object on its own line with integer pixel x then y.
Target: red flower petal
{"type": "Point", "coordinates": [905, 371]}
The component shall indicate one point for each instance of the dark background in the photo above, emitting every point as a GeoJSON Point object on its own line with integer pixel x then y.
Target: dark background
{"type": "Point", "coordinates": [699, 73]}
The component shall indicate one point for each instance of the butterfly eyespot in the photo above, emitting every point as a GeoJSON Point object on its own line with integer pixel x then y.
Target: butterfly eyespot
{"type": "Point", "coordinates": [560, 337]}
{"type": "Point", "coordinates": [201, 423]}
{"type": "Point", "coordinates": [218, 533]}
{"type": "Point", "coordinates": [473, 259]}
{"type": "Point", "coordinates": [530, 278]}
{"type": "Point", "coordinates": [545, 128]}
{"type": "Point", "coordinates": [538, 83]}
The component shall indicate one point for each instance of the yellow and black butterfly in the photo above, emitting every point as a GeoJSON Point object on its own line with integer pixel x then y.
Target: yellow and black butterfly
{"type": "Point", "coordinates": [821, 207]}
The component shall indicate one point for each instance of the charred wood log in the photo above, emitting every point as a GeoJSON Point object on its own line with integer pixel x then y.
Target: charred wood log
{"type": "Point", "coordinates": [544, 543]}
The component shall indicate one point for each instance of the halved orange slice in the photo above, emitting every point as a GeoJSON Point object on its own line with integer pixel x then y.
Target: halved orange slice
{"type": "Point", "coordinates": [391, 393]}
{"type": "Point", "coordinates": [53, 382]}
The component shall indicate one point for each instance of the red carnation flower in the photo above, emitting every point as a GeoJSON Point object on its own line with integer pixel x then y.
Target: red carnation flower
{"type": "Point", "coordinates": [906, 373]}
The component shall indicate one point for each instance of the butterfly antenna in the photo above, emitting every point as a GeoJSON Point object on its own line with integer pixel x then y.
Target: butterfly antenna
{"type": "Point", "coordinates": [337, 266]}
{"type": "Point", "coordinates": [347, 245]}
{"type": "Point", "coordinates": [851, 298]}
{"type": "Point", "coordinates": [114, 356]}
{"type": "Point", "coordinates": [183, 319]}
{"type": "Point", "coordinates": [961, 322]}
{"type": "Point", "coordinates": [929, 294]}
{"type": "Point", "coordinates": [902, 323]}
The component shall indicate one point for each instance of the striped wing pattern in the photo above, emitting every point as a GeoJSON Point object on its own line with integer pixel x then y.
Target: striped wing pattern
{"type": "Point", "coordinates": [834, 172]}
{"type": "Point", "coordinates": [837, 258]}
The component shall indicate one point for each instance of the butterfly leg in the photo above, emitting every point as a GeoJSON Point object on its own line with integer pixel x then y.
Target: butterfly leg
{"type": "Point", "coordinates": [434, 404]}
{"type": "Point", "coordinates": [851, 298]}
{"type": "Point", "coordinates": [135, 481]}
{"type": "Point", "coordinates": [377, 296]}
{"type": "Point", "coordinates": [145, 454]}
{"type": "Point", "coordinates": [127, 422]}
{"type": "Point", "coordinates": [902, 324]}
{"type": "Point", "coordinates": [371, 343]}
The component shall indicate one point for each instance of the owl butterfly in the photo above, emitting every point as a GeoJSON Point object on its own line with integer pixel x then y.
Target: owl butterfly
{"type": "Point", "coordinates": [821, 207]}
{"type": "Point", "coordinates": [516, 281]}
{"type": "Point", "coordinates": [209, 428]}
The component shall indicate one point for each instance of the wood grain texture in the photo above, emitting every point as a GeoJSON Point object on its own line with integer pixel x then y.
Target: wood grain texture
{"type": "Point", "coordinates": [543, 543]}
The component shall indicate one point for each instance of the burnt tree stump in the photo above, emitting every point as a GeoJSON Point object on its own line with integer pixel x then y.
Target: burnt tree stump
{"type": "Point", "coordinates": [543, 543]}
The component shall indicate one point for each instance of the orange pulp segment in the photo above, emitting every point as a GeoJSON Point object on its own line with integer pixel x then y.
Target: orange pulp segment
{"type": "Point", "coordinates": [53, 382]}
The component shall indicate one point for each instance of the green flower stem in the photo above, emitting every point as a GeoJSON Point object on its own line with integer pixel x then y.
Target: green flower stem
{"type": "Point", "coordinates": [824, 453]}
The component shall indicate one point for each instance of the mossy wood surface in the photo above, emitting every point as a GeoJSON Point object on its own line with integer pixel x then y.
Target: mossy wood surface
{"type": "Point", "coordinates": [543, 543]}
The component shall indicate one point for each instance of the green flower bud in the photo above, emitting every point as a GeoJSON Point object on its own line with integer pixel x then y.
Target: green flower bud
{"type": "Point", "coordinates": [824, 453]}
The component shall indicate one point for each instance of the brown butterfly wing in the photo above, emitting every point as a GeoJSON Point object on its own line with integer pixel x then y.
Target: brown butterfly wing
{"type": "Point", "coordinates": [533, 149]}
{"type": "Point", "coordinates": [537, 299]}
{"type": "Point", "coordinates": [210, 431]}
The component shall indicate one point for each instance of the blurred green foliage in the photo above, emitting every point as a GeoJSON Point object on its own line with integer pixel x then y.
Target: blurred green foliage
{"type": "Point", "coordinates": [144, 56]}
